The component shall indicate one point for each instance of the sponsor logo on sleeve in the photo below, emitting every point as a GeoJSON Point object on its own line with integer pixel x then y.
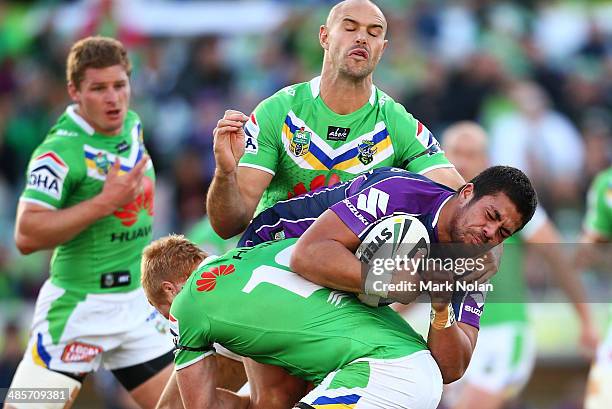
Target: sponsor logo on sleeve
{"type": "Point", "coordinates": [47, 174]}
{"type": "Point", "coordinates": [335, 133]}
{"type": "Point", "coordinates": [80, 352]}
{"type": "Point", "coordinates": [251, 131]}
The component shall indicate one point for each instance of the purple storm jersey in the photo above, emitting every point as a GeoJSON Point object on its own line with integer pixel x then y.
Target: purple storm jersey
{"type": "Point", "coordinates": [360, 203]}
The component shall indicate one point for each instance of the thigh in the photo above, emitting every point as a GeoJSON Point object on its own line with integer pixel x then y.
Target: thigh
{"type": "Point", "coordinates": [412, 382]}
{"type": "Point", "coordinates": [146, 339]}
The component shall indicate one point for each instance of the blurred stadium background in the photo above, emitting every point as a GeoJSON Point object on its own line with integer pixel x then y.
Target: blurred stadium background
{"type": "Point", "coordinates": [501, 63]}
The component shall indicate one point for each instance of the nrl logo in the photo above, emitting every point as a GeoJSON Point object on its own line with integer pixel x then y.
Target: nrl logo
{"type": "Point", "coordinates": [367, 150]}
{"type": "Point", "coordinates": [300, 144]}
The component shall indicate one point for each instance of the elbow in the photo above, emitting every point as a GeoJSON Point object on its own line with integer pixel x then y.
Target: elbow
{"type": "Point", "coordinates": [24, 245]}
{"type": "Point", "coordinates": [450, 375]}
{"type": "Point", "coordinates": [226, 230]}
{"type": "Point", "coordinates": [454, 370]}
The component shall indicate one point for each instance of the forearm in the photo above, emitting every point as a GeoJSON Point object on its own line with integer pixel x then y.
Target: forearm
{"type": "Point", "coordinates": [37, 230]}
{"type": "Point", "coordinates": [225, 206]}
{"type": "Point", "coordinates": [452, 349]}
{"type": "Point", "coordinates": [329, 264]}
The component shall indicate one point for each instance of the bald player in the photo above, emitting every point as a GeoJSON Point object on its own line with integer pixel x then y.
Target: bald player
{"type": "Point", "coordinates": [320, 132]}
{"type": "Point", "coordinates": [505, 352]}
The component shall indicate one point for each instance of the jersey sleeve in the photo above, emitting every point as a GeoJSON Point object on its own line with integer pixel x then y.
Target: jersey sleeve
{"type": "Point", "coordinates": [50, 176]}
{"type": "Point", "coordinates": [468, 307]}
{"type": "Point", "coordinates": [598, 217]}
{"type": "Point", "coordinates": [417, 149]}
{"type": "Point", "coordinates": [262, 138]}
{"type": "Point", "coordinates": [191, 333]}
{"type": "Point", "coordinates": [364, 208]}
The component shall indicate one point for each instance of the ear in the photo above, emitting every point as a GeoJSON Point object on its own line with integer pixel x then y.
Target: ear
{"type": "Point", "coordinates": [73, 92]}
{"type": "Point", "coordinates": [384, 46]}
{"type": "Point", "coordinates": [167, 287]}
{"type": "Point", "coordinates": [466, 194]}
{"type": "Point", "coordinates": [324, 37]}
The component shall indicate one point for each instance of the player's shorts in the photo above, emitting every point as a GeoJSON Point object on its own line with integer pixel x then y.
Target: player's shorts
{"type": "Point", "coordinates": [75, 334]}
{"type": "Point", "coordinates": [503, 359]}
{"type": "Point", "coordinates": [599, 385]}
{"type": "Point", "coordinates": [411, 382]}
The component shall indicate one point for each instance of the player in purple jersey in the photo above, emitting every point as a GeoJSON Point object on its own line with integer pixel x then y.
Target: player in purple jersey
{"type": "Point", "coordinates": [401, 191]}
{"type": "Point", "coordinates": [489, 209]}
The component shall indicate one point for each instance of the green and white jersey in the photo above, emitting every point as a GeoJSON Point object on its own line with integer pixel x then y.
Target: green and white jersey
{"type": "Point", "coordinates": [251, 303]}
{"type": "Point", "coordinates": [599, 205]}
{"type": "Point", "coordinates": [70, 167]}
{"type": "Point", "coordinates": [294, 136]}
{"type": "Point", "coordinates": [507, 302]}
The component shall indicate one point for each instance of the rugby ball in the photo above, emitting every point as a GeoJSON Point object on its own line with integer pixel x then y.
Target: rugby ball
{"type": "Point", "coordinates": [397, 235]}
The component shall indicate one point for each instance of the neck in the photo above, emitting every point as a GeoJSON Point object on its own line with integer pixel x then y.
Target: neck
{"type": "Point", "coordinates": [444, 220]}
{"type": "Point", "coordinates": [342, 94]}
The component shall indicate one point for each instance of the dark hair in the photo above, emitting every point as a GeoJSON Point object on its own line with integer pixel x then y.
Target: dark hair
{"type": "Point", "coordinates": [513, 183]}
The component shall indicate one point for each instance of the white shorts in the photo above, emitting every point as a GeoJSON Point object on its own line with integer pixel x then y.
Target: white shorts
{"type": "Point", "coordinates": [503, 359]}
{"type": "Point", "coordinates": [411, 382]}
{"type": "Point", "coordinates": [76, 334]}
{"type": "Point", "coordinates": [599, 386]}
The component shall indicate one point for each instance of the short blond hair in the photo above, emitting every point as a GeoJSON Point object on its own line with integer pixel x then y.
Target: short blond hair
{"type": "Point", "coordinates": [95, 52]}
{"type": "Point", "coordinates": [172, 258]}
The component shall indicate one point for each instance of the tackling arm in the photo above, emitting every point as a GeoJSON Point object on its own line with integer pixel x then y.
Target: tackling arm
{"type": "Point", "coordinates": [324, 254]}
{"type": "Point", "coordinates": [446, 176]}
{"type": "Point", "coordinates": [197, 385]}
{"type": "Point", "coordinates": [452, 348]}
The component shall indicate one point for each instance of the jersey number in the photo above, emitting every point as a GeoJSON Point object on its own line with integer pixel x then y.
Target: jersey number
{"type": "Point", "coordinates": [281, 278]}
{"type": "Point", "coordinates": [375, 199]}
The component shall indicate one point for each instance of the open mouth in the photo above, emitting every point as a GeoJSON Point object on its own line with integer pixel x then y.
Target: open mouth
{"type": "Point", "coordinates": [359, 52]}
{"type": "Point", "coordinates": [113, 113]}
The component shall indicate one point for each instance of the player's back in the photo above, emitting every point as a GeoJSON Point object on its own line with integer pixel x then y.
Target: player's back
{"type": "Point", "coordinates": [385, 191]}
{"type": "Point", "coordinates": [251, 303]}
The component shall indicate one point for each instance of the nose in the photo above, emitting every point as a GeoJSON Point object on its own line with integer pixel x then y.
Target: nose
{"type": "Point", "coordinates": [111, 96]}
{"type": "Point", "coordinates": [361, 38]}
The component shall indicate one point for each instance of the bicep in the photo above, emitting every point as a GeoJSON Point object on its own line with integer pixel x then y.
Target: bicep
{"type": "Point", "coordinates": [26, 209]}
{"type": "Point", "coordinates": [328, 227]}
{"type": "Point", "coordinates": [252, 183]}
{"type": "Point", "coordinates": [197, 383]}
{"type": "Point", "coordinates": [470, 332]}
{"type": "Point", "coordinates": [446, 176]}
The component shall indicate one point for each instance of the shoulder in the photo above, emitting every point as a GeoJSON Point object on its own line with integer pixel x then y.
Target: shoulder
{"type": "Point", "coordinates": [64, 141]}
{"type": "Point", "coordinates": [288, 96]}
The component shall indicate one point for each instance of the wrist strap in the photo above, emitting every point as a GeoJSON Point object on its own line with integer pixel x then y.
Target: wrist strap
{"type": "Point", "coordinates": [442, 319]}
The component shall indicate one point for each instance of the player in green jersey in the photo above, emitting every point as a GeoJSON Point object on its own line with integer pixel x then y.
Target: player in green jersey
{"type": "Point", "coordinates": [249, 301]}
{"type": "Point", "coordinates": [598, 229]}
{"type": "Point", "coordinates": [505, 353]}
{"type": "Point", "coordinates": [89, 195]}
{"type": "Point", "coordinates": [322, 131]}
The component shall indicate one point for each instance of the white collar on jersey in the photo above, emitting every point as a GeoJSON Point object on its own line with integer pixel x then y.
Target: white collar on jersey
{"type": "Point", "coordinates": [78, 119]}
{"type": "Point", "coordinates": [207, 260]}
{"type": "Point", "coordinates": [315, 88]}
